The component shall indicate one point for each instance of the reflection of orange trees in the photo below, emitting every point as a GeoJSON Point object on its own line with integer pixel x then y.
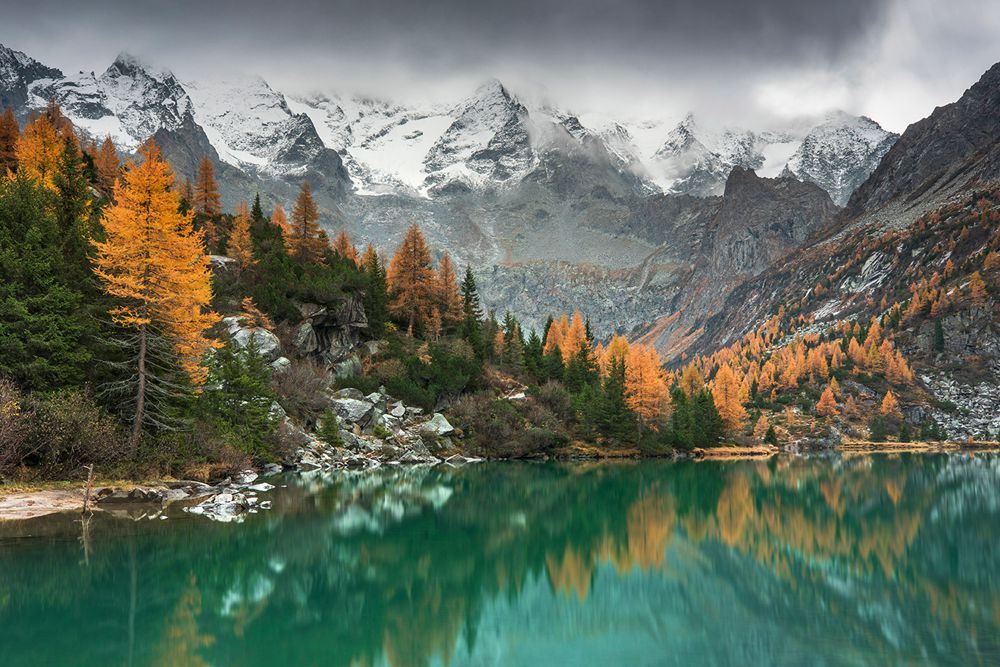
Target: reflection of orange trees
{"type": "Point", "coordinates": [734, 509]}
{"type": "Point", "coordinates": [651, 522]}
{"type": "Point", "coordinates": [571, 573]}
{"type": "Point", "coordinates": [407, 642]}
{"type": "Point", "coordinates": [182, 640]}
{"type": "Point", "coordinates": [649, 527]}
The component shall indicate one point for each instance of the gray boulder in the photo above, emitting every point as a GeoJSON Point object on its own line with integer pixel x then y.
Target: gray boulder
{"type": "Point", "coordinates": [352, 411]}
{"type": "Point", "coordinates": [267, 344]}
{"type": "Point", "coordinates": [437, 426]}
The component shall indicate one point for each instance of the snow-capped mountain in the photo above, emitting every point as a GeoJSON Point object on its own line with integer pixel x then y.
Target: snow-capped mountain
{"type": "Point", "coordinates": [595, 211]}
{"type": "Point", "coordinates": [252, 128]}
{"type": "Point", "coordinates": [840, 153]}
{"type": "Point", "coordinates": [130, 101]}
{"type": "Point", "coordinates": [17, 73]}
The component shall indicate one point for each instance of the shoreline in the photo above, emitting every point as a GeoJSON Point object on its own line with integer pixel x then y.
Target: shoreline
{"type": "Point", "coordinates": [34, 500]}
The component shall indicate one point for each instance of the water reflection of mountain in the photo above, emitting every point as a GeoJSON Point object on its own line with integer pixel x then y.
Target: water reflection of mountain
{"type": "Point", "coordinates": [863, 561]}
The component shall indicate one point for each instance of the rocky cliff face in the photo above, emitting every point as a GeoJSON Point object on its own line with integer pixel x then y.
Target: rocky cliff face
{"type": "Point", "coordinates": [840, 153]}
{"type": "Point", "coordinates": [950, 150]}
{"type": "Point", "coordinates": [17, 73]}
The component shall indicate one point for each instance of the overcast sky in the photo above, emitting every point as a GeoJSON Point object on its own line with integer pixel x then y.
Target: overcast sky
{"type": "Point", "coordinates": [735, 61]}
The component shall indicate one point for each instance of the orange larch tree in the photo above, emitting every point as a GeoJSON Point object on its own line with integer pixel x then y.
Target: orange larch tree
{"type": "Point", "coordinates": [153, 264]}
{"type": "Point", "coordinates": [447, 296]}
{"type": "Point", "coordinates": [554, 337]}
{"type": "Point", "coordinates": [207, 201]}
{"type": "Point", "coordinates": [38, 151]}
{"type": "Point", "coordinates": [646, 391]}
{"type": "Point", "coordinates": [827, 404]}
{"type": "Point", "coordinates": [890, 406]}
{"type": "Point", "coordinates": [691, 380]}
{"type": "Point", "coordinates": [728, 398]}
{"type": "Point", "coordinates": [308, 241]}
{"type": "Point", "coordinates": [977, 288]}
{"type": "Point", "coordinates": [574, 337]}
{"type": "Point", "coordinates": [240, 246]}
{"type": "Point", "coordinates": [106, 165]}
{"type": "Point", "coordinates": [9, 133]}
{"type": "Point", "coordinates": [343, 247]}
{"type": "Point", "coordinates": [280, 220]}
{"type": "Point", "coordinates": [615, 353]}
{"type": "Point", "coordinates": [411, 280]}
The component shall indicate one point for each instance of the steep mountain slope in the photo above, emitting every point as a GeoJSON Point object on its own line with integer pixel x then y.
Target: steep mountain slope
{"type": "Point", "coordinates": [957, 145]}
{"type": "Point", "coordinates": [17, 73]}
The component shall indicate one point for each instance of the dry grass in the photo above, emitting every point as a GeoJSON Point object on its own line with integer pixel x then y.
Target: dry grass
{"type": "Point", "coordinates": [735, 453]}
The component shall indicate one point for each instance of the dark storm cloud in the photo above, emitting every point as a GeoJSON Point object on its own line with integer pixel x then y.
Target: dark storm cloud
{"type": "Point", "coordinates": [629, 53]}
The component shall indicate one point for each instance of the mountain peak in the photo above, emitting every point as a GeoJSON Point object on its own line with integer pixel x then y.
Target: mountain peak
{"type": "Point", "coordinates": [16, 65]}
{"type": "Point", "coordinates": [129, 65]}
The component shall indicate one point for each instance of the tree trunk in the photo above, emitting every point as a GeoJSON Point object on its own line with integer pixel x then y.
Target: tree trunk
{"type": "Point", "coordinates": [140, 404]}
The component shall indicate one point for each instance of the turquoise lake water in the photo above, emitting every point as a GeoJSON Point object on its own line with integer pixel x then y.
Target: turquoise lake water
{"type": "Point", "coordinates": [862, 561]}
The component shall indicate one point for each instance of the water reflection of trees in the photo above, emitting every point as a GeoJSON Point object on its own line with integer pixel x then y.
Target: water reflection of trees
{"type": "Point", "coordinates": [399, 565]}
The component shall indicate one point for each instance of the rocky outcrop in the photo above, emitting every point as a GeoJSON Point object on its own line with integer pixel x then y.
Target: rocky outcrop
{"type": "Point", "coordinates": [245, 335]}
{"type": "Point", "coordinates": [332, 332]}
{"type": "Point", "coordinates": [761, 220]}
{"type": "Point", "coordinates": [375, 429]}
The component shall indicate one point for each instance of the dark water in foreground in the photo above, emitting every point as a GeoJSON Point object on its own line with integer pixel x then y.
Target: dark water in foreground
{"type": "Point", "coordinates": [865, 561]}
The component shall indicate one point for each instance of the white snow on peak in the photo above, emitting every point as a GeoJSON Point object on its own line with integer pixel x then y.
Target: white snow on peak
{"type": "Point", "coordinates": [244, 118]}
{"type": "Point", "coordinates": [129, 101]}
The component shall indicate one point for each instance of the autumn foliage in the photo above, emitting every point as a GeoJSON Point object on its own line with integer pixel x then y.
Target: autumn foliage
{"type": "Point", "coordinates": [153, 264]}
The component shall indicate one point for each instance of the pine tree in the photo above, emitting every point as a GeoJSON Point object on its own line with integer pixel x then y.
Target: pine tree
{"type": "Point", "coordinates": [106, 165]}
{"type": "Point", "coordinates": [306, 239]}
{"type": "Point", "coordinates": [614, 418]}
{"type": "Point", "coordinates": [73, 208]}
{"type": "Point", "coordinates": [153, 263]}
{"type": "Point", "coordinates": [728, 399]}
{"type": "Point", "coordinates": [9, 133]}
{"type": "Point", "coordinates": [533, 364]}
{"type": "Point", "coordinates": [447, 297]}
{"type": "Point", "coordinates": [344, 249]}
{"type": "Point", "coordinates": [377, 303]}
{"type": "Point", "coordinates": [709, 427]}
{"type": "Point", "coordinates": [938, 336]}
{"type": "Point", "coordinates": [646, 385]}
{"type": "Point", "coordinates": [471, 307]}
{"type": "Point", "coordinates": [45, 329]}
{"type": "Point", "coordinates": [238, 398]}
{"type": "Point", "coordinates": [256, 212]}
{"type": "Point", "coordinates": [240, 246]}
{"type": "Point", "coordinates": [411, 280]}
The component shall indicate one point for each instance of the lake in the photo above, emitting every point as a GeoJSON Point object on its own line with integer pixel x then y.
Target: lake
{"type": "Point", "coordinates": [821, 561]}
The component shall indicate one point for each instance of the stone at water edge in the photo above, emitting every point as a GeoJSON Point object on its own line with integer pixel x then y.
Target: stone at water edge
{"type": "Point", "coordinates": [246, 477]}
